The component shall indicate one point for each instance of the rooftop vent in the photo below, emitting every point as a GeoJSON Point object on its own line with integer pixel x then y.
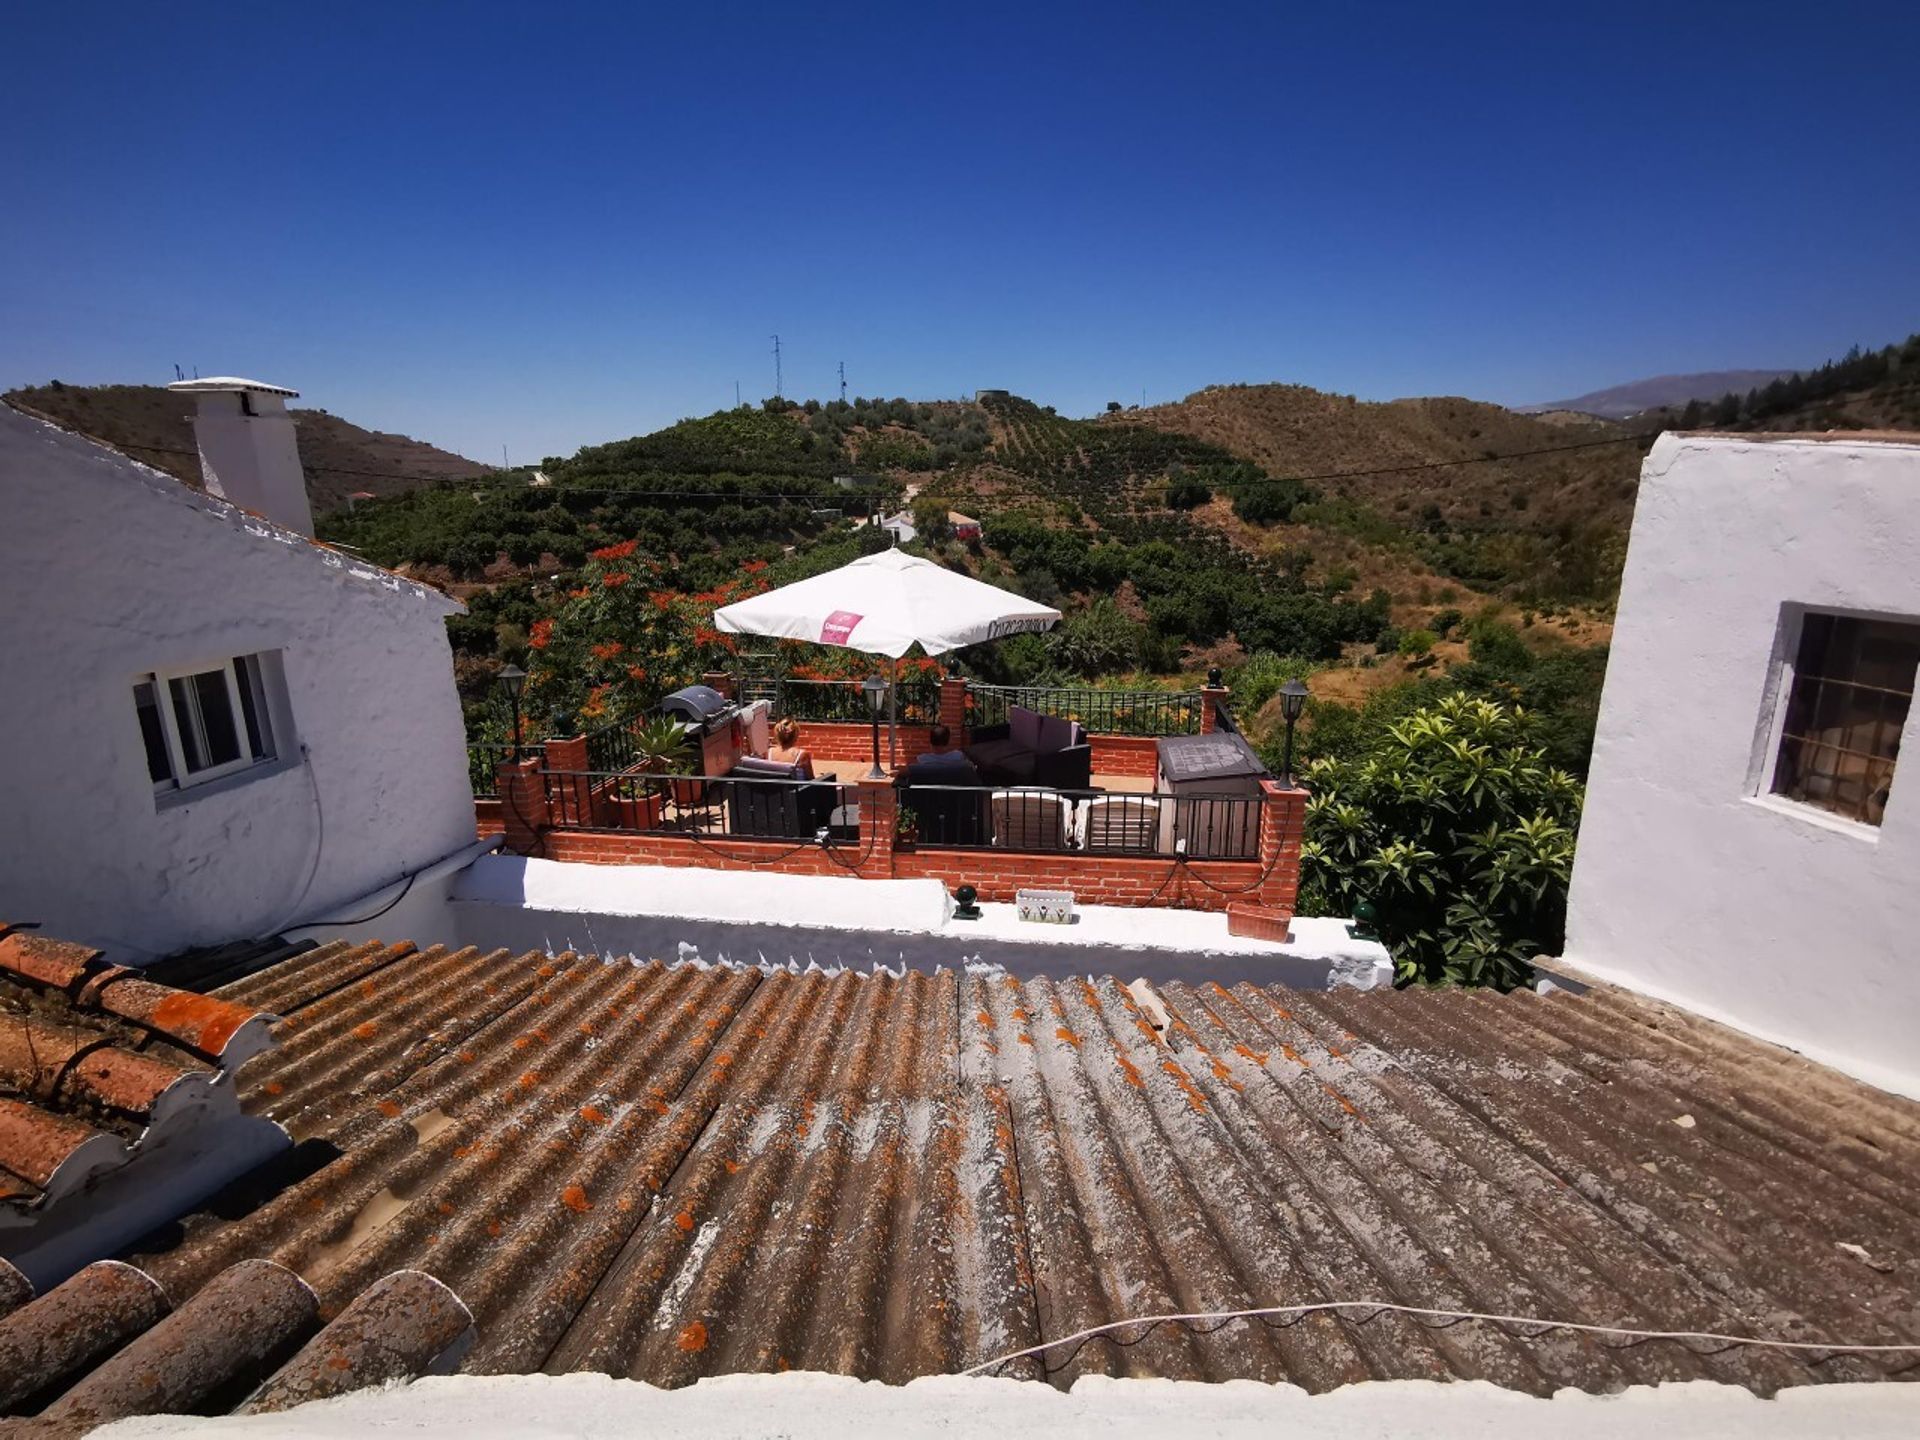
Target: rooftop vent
{"type": "Point", "coordinates": [248, 453]}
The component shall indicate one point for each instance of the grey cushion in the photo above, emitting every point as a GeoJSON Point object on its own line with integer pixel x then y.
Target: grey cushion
{"type": "Point", "coordinates": [757, 769]}
{"type": "Point", "coordinates": [1023, 727]}
{"type": "Point", "coordinates": [1055, 734]}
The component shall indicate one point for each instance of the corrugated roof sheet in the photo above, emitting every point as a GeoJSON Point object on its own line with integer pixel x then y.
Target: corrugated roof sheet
{"type": "Point", "coordinates": [673, 1171]}
{"type": "Point", "coordinates": [97, 1063]}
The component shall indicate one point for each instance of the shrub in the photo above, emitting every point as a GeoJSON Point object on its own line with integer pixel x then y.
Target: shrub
{"type": "Point", "coordinates": [1461, 835]}
{"type": "Point", "coordinates": [1499, 645]}
{"type": "Point", "coordinates": [1417, 642]}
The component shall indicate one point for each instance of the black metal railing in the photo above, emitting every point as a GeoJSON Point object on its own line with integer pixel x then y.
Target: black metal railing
{"type": "Point", "coordinates": [718, 807]}
{"type": "Point", "coordinates": [843, 701]}
{"type": "Point", "coordinates": [611, 747]}
{"type": "Point", "coordinates": [1099, 712]}
{"type": "Point", "coordinates": [484, 759]}
{"type": "Point", "coordinates": [985, 817]}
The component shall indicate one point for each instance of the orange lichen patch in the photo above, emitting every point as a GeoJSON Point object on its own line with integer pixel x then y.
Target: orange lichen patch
{"type": "Point", "coordinates": [337, 1361]}
{"type": "Point", "coordinates": [1067, 1037]}
{"type": "Point", "coordinates": [1296, 1057]}
{"type": "Point", "coordinates": [522, 1042]}
{"type": "Point", "coordinates": [494, 1227]}
{"type": "Point", "coordinates": [530, 1079]}
{"type": "Point", "coordinates": [683, 1222]}
{"type": "Point", "coordinates": [274, 1087]}
{"type": "Point", "coordinates": [1220, 1071]}
{"type": "Point", "coordinates": [732, 1166]}
{"type": "Point", "coordinates": [1345, 1104]}
{"type": "Point", "coordinates": [365, 1030]}
{"type": "Point", "coordinates": [723, 1059]}
{"type": "Point", "coordinates": [1336, 1052]}
{"type": "Point", "coordinates": [656, 1107]}
{"type": "Point", "coordinates": [575, 1199]}
{"type": "Point", "coordinates": [467, 1057]}
{"type": "Point", "coordinates": [1024, 1038]}
{"type": "Point", "coordinates": [446, 1207]}
{"type": "Point", "coordinates": [389, 1108]}
{"type": "Point", "coordinates": [985, 1019]}
{"type": "Point", "coordinates": [1146, 1029]}
{"type": "Point", "coordinates": [991, 1047]}
{"type": "Point", "coordinates": [593, 1115]}
{"type": "Point", "coordinates": [623, 1204]}
{"type": "Point", "coordinates": [1128, 1069]}
{"type": "Point", "coordinates": [693, 1337]}
{"type": "Point", "coordinates": [369, 989]}
{"type": "Point", "coordinates": [546, 972]}
{"type": "Point", "coordinates": [1258, 1057]}
{"type": "Point", "coordinates": [1184, 1028]}
{"type": "Point", "coordinates": [203, 1022]}
{"type": "Point", "coordinates": [1022, 1014]}
{"type": "Point", "coordinates": [1185, 1082]}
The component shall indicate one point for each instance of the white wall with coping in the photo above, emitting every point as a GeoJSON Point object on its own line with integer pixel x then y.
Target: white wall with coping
{"type": "Point", "coordinates": [1690, 882]}
{"type": "Point", "coordinates": [109, 569]}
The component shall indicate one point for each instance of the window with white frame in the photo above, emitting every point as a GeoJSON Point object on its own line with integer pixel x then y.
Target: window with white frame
{"type": "Point", "coordinates": [1853, 681]}
{"type": "Point", "coordinates": [200, 723]}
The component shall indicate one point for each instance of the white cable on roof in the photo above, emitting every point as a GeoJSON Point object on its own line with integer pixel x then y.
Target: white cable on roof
{"type": "Point", "coordinates": [1221, 1317]}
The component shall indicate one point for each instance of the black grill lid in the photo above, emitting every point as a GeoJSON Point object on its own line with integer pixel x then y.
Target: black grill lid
{"type": "Point", "coordinates": [697, 704]}
{"type": "Point", "coordinates": [1207, 757]}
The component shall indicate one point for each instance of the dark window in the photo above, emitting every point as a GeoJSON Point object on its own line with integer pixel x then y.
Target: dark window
{"type": "Point", "coordinates": [159, 766]}
{"type": "Point", "coordinates": [1852, 686]}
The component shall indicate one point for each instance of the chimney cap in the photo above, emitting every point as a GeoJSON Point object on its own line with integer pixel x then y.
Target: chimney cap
{"type": "Point", "coordinates": [229, 384]}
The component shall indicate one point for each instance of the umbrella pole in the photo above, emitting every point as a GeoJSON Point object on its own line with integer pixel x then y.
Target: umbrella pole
{"type": "Point", "coordinates": [893, 718]}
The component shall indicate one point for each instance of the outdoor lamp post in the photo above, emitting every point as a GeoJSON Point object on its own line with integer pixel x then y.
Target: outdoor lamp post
{"type": "Point", "coordinates": [513, 680]}
{"type": "Point", "coordinates": [1293, 699]}
{"type": "Point", "coordinates": [876, 692]}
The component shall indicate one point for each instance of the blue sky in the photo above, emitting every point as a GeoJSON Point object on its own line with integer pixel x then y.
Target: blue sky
{"type": "Point", "coordinates": [546, 226]}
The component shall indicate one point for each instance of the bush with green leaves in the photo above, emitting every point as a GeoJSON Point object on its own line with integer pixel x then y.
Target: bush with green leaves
{"type": "Point", "coordinates": [1457, 830]}
{"type": "Point", "coordinates": [1415, 643]}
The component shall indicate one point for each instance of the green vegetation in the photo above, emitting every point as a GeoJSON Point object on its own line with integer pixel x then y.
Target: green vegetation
{"type": "Point", "coordinates": [1871, 388]}
{"type": "Point", "coordinates": [1458, 832]}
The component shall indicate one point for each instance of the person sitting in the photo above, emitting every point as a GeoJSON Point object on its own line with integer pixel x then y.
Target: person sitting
{"type": "Point", "coordinates": [787, 750]}
{"type": "Point", "coordinates": [942, 739]}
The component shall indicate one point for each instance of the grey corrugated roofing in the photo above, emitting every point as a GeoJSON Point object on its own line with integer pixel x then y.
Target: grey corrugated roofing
{"type": "Point", "coordinates": [673, 1171]}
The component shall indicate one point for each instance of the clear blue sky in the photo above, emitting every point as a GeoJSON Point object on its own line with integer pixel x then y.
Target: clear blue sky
{"type": "Point", "coordinates": [544, 227]}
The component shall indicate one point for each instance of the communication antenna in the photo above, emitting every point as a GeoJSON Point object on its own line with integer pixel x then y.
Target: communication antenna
{"type": "Point", "coordinates": [503, 456]}
{"type": "Point", "coordinates": [778, 383]}
{"type": "Point", "coordinates": [178, 373]}
{"type": "Point", "coordinates": [736, 394]}
{"type": "Point", "coordinates": [843, 382]}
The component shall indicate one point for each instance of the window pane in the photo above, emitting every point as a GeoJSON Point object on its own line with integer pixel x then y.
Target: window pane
{"type": "Point", "coordinates": [159, 767]}
{"type": "Point", "coordinates": [201, 709]}
{"type": "Point", "coordinates": [253, 707]}
{"type": "Point", "coordinates": [1852, 687]}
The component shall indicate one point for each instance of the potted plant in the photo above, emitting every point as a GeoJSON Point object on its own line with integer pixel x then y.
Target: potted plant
{"type": "Point", "coordinates": [906, 827]}
{"type": "Point", "coordinates": [659, 747]}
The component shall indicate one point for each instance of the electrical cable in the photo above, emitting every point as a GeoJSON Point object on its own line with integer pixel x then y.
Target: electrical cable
{"type": "Point", "coordinates": [1217, 1318]}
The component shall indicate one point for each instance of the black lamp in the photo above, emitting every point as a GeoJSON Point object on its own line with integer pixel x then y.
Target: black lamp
{"type": "Point", "coordinates": [1214, 678]}
{"type": "Point", "coordinates": [513, 680]}
{"type": "Point", "coordinates": [1293, 699]}
{"type": "Point", "coordinates": [875, 690]}
{"type": "Point", "coordinates": [1366, 920]}
{"type": "Point", "coordinates": [964, 906]}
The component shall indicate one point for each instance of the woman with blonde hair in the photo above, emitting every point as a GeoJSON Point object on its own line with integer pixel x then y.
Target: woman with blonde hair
{"type": "Point", "coordinates": [787, 750]}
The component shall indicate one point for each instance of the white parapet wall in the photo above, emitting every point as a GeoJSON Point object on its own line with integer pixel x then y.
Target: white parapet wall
{"type": "Point", "coordinates": [1693, 881]}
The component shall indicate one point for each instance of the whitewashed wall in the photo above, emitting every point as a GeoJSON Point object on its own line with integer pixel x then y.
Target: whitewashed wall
{"type": "Point", "coordinates": [1690, 883]}
{"type": "Point", "coordinates": [109, 569]}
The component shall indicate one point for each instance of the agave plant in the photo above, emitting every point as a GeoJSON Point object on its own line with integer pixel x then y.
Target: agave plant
{"type": "Point", "coordinates": [660, 745]}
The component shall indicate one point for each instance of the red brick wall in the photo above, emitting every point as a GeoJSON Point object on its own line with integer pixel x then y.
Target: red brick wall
{"type": "Point", "coordinates": [1126, 755]}
{"type": "Point", "coordinates": [838, 740]}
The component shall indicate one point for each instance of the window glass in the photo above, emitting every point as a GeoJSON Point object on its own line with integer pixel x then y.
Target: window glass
{"type": "Point", "coordinates": [1852, 687]}
{"type": "Point", "coordinates": [253, 707]}
{"type": "Point", "coordinates": [159, 766]}
{"type": "Point", "coordinates": [203, 713]}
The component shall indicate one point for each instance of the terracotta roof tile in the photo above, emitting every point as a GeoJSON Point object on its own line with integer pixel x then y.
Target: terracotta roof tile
{"type": "Point", "coordinates": [670, 1171]}
{"type": "Point", "coordinates": [96, 1063]}
{"type": "Point", "coordinates": [106, 1344]}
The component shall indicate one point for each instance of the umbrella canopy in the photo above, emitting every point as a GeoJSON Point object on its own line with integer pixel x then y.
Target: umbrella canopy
{"type": "Point", "coordinates": [885, 604]}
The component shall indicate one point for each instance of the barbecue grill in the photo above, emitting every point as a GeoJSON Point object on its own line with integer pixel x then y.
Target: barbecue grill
{"type": "Point", "coordinates": [711, 718]}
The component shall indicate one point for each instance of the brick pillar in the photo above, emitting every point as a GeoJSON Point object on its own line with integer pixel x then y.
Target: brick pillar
{"type": "Point", "coordinates": [721, 680]}
{"type": "Point", "coordinates": [953, 706]}
{"type": "Point", "coordinates": [523, 804]}
{"type": "Point", "coordinates": [879, 814]}
{"type": "Point", "coordinates": [570, 801]}
{"type": "Point", "coordinates": [1211, 697]}
{"type": "Point", "coordinates": [1281, 820]}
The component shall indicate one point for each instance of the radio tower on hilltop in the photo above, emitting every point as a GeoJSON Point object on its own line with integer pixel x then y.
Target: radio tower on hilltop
{"type": "Point", "coordinates": [779, 383]}
{"type": "Point", "coordinates": [843, 382]}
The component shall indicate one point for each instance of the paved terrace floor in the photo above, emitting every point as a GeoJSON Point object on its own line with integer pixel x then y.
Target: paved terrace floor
{"type": "Point", "coordinates": [668, 1172]}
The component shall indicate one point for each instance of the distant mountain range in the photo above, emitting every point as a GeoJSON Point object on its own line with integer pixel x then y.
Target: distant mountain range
{"type": "Point", "coordinates": [1661, 392]}
{"type": "Point", "coordinates": [155, 426]}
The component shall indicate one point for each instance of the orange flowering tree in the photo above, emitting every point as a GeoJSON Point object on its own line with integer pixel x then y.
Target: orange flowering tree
{"type": "Point", "coordinates": [620, 639]}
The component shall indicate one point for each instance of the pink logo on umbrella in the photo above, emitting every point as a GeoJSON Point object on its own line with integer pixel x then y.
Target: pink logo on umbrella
{"type": "Point", "coordinates": [839, 626]}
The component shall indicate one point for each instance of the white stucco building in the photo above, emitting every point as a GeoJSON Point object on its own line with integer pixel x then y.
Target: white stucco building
{"type": "Point", "coordinates": [1751, 842]}
{"type": "Point", "coordinates": [215, 727]}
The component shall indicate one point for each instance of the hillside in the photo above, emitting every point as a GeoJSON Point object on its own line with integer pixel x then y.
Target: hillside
{"type": "Point", "coordinates": [1550, 525]}
{"type": "Point", "coordinates": [1863, 390]}
{"type": "Point", "coordinates": [154, 425]}
{"type": "Point", "coordinates": [1659, 392]}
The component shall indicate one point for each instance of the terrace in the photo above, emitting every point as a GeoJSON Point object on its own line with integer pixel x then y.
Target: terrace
{"type": "Point", "coordinates": [1062, 788]}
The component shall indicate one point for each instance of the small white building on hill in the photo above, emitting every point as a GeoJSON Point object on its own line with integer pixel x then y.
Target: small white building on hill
{"type": "Point", "coordinates": [215, 726]}
{"type": "Point", "coordinates": [1751, 842]}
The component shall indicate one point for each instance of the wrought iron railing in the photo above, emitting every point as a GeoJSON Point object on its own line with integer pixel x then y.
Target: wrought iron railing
{"type": "Point", "coordinates": [985, 817]}
{"type": "Point", "coordinates": [484, 759]}
{"type": "Point", "coordinates": [725, 807]}
{"type": "Point", "coordinates": [611, 747]}
{"type": "Point", "coordinates": [918, 699]}
{"type": "Point", "coordinates": [1099, 712]}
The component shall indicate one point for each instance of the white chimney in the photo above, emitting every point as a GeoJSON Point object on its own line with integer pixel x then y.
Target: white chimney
{"type": "Point", "coordinates": [248, 453]}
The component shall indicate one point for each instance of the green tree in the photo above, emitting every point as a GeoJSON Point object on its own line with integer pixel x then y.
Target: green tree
{"type": "Point", "coordinates": [1460, 834]}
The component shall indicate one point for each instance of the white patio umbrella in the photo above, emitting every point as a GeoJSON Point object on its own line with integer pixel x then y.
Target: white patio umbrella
{"type": "Point", "coordinates": [885, 604]}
